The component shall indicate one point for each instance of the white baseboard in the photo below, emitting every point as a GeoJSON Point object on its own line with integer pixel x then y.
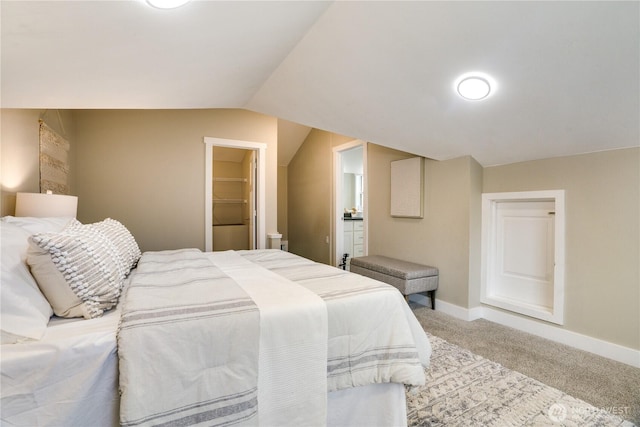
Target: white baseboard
{"type": "Point", "coordinates": [457, 311]}
{"type": "Point", "coordinates": [597, 346]}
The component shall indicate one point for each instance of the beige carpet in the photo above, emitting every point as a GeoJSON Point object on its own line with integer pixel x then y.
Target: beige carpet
{"type": "Point", "coordinates": [601, 382]}
{"type": "Point", "coordinates": [464, 389]}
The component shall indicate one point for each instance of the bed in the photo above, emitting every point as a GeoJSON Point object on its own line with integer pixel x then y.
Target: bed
{"type": "Point", "coordinates": [255, 338]}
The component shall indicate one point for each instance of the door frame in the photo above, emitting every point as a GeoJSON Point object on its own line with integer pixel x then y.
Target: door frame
{"type": "Point", "coordinates": [490, 202]}
{"type": "Point", "coordinates": [337, 223]}
{"type": "Point", "coordinates": [253, 182]}
{"type": "Point", "coordinates": [260, 148]}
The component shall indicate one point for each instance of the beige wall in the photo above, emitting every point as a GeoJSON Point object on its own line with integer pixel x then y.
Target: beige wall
{"type": "Point", "coordinates": [283, 189]}
{"type": "Point", "coordinates": [146, 169]}
{"type": "Point", "coordinates": [476, 176]}
{"type": "Point", "coordinates": [310, 196]}
{"type": "Point", "coordinates": [445, 237]}
{"type": "Point", "coordinates": [442, 238]}
{"type": "Point", "coordinates": [134, 162]}
{"type": "Point", "coordinates": [602, 296]}
{"type": "Point", "coordinates": [19, 151]}
{"type": "Point", "coordinates": [602, 198]}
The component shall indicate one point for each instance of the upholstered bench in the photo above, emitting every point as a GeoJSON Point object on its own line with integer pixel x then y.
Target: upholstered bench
{"type": "Point", "coordinates": [408, 277]}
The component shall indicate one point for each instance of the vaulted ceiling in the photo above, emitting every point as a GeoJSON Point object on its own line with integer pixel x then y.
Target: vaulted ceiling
{"type": "Point", "coordinates": [567, 73]}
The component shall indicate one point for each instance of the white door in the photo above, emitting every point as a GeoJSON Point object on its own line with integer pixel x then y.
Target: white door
{"type": "Point", "coordinates": [523, 253]}
{"type": "Point", "coordinates": [523, 269]}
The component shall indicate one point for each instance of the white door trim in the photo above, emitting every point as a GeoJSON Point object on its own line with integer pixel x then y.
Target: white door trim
{"type": "Point", "coordinates": [336, 220]}
{"type": "Point", "coordinates": [260, 148]}
{"type": "Point", "coordinates": [253, 176]}
{"type": "Point", "coordinates": [490, 202]}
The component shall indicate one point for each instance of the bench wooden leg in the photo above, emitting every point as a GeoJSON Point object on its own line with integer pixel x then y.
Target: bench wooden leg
{"type": "Point", "coordinates": [432, 296]}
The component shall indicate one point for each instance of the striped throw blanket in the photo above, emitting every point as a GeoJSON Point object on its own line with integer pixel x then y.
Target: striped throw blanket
{"type": "Point", "coordinates": [187, 344]}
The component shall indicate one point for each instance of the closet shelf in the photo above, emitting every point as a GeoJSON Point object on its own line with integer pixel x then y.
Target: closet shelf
{"type": "Point", "coordinates": [220, 179]}
{"type": "Point", "coordinates": [229, 201]}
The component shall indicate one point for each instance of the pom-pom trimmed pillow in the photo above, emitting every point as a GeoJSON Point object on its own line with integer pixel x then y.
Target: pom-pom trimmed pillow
{"type": "Point", "coordinates": [123, 240]}
{"type": "Point", "coordinates": [79, 270]}
{"type": "Point", "coordinates": [126, 246]}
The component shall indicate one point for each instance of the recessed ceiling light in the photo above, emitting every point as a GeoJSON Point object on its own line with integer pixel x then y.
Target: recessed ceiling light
{"type": "Point", "coordinates": [167, 4]}
{"type": "Point", "coordinates": [475, 86]}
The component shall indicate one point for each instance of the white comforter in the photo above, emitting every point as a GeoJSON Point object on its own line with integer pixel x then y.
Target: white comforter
{"type": "Point", "coordinates": [216, 354]}
{"type": "Point", "coordinates": [67, 378]}
{"type": "Point", "coordinates": [373, 335]}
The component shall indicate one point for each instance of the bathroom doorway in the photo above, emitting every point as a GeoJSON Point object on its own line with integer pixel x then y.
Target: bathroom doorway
{"type": "Point", "coordinates": [350, 202]}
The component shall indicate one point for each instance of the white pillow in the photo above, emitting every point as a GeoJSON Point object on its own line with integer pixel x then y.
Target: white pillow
{"type": "Point", "coordinates": [24, 311]}
{"type": "Point", "coordinates": [40, 225]}
{"type": "Point", "coordinates": [79, 270]}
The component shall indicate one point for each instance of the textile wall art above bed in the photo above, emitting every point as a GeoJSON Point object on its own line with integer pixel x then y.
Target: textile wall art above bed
{"type": "Point", "coordinates": [54, 161]}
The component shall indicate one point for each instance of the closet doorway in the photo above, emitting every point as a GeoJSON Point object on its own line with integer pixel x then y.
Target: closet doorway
{"type": "Point", "coordinates": [234, 196]}
{"type": "Point", "coordinates": [234, 177]}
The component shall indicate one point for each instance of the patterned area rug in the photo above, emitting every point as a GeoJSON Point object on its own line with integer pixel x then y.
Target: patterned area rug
{"type": "Point", "coordinates": [464, 389]}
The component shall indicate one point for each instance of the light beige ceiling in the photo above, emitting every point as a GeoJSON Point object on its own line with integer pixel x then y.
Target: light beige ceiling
{"type": "Point", "coordinates": [568, 72]}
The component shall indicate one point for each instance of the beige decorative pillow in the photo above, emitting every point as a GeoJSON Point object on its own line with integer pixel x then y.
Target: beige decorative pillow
{"type": "Point", "coordinates": [79, 270]}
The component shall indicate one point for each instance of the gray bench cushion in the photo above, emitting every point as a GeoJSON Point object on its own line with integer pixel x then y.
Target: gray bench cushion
{"type": "Point", "coordinates": [394, 267]}
{"type": "Point", "coordinates": [408, 277]}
